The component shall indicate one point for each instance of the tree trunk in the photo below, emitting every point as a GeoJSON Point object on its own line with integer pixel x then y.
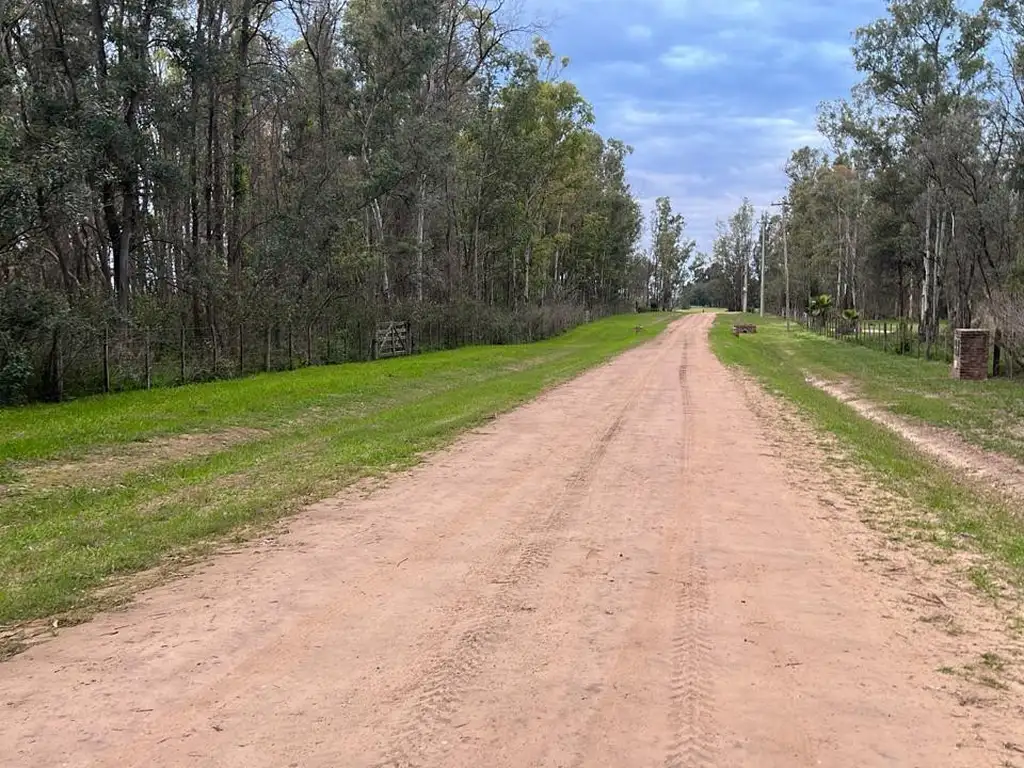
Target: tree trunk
{"type": "Point", "coordinates": [785, 264]}
{"type": "Point", "coordinates": [937, 251]}
{"type": "Point", "coordinates": [763, 228]}
{"type": "Point", "coordinates": [558, 253]}
{"type": "Point", "coordinates": [746, 280]}
{"type": "Point", "coordinates": [421, 206]}
{"type": "Point", "coordinates": [239, 164]}
{"type": "Point", "coordinates": [527, 259]}
{"type": "Point", "coordinates": [926, 282]}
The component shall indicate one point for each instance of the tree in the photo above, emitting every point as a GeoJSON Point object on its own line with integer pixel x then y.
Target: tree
{"type": "Point", "coordinates": [238, 169]}
{"type": "Point", "coordinates": [734, 252]}
{"type": "Point", "coordinates": [670, 254]}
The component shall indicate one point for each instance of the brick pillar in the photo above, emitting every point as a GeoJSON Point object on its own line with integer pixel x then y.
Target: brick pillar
{"type": "Point", "coordinates": [970, 354]}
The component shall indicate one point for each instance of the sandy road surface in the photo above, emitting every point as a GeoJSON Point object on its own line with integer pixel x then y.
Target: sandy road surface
{"type": "Point", "coordinates": [618, 574]}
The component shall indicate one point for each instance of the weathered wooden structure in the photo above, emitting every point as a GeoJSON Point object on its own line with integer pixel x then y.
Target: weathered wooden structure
{"type": "Point", "coordinates": [391, 340]}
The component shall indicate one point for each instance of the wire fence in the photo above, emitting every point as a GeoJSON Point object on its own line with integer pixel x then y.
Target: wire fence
{"type": "Point", "coordinates": [892, 336]}
{"type": "Point", "coordinates": [81, 360]}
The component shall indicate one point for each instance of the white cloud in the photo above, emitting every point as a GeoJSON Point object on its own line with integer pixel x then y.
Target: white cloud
{"type": "Point", "coordinates": [673, 8]}
{"type": "Point", "coordinates": [707, 154]}
{"type": "Point", "coordinates": [733, 9]}
{"type": "Point", "coordinates": [626, 68]}
{"type": "Point", "coordinates": [784, 131]}
{"type": "Point", "coordinates": [832, 51]}
{"type": "Point", "coordinates": [666, 180]}
{"type": "Point", "coordinates": [689, 57]}
{"type": "Point", "coordinates": [639, 33]}
{"type": "Point", "coordinates": [714, 118]}
{"type": "Point", "coordinates": [756, 45]}
{"type": "Point", "coordinates": [693, 122]}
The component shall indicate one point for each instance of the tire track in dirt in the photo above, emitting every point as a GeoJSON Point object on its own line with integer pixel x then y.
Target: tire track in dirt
{"type": "Point", "coordinates": [670, 622]}
{"type": "Point", "coordinates": [692, 741]}
{"type": "Point", "coordinates": [649, 638]}
{"type": "Point", "coordinates": [620, 574]}
{"type": "Point", "coordinates": [691, 745]}
{"type": "Point", "coordinates": [435, 700]}
{"type": "Point", "coordinates": [417, 740]}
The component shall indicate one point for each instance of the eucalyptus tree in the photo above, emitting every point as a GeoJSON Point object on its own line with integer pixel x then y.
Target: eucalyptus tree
{"type": "Point", "coordinates": [234, 166]}
{"type": "Point", "coordinates": [915, 210]}
{"type": "Point", "coordinates": [671, 253]}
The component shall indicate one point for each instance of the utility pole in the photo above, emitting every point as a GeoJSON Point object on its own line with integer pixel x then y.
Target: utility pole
{"type": "Point", "coordinates": [764, 226]}
{"type": "Point", "coordinates": [785, 256]}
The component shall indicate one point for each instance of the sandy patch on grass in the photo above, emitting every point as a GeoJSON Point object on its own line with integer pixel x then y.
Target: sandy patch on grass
{"type": "Point", "coordinates": [111, 463]}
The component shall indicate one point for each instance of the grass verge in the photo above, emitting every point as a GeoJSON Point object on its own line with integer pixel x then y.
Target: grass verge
{"type": "Point", "coordinates": [989, 414]}
{"type": "Point", "coordinates": [124, 503]}
{"type": "Point", "coordinates": [960, 516]}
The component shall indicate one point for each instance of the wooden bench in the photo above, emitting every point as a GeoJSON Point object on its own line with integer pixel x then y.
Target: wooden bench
{"type": "Point", "coordinates": [738, 329]}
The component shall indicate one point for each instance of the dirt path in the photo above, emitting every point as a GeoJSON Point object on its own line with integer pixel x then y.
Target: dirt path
{"type": "Point", "coordinates": [988, 467]}
{"type": "Point", "coordinates": [619, 574]}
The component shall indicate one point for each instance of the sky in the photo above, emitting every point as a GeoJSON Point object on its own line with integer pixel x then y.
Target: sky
{"type": "Point", "coordinates": [713, 95]}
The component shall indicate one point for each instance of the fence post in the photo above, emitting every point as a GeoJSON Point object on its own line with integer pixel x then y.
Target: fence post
{"type": "Point", "coordinates": [309, 343]}
{"type": "Point", "coordinates": [59, 363]}
{"type": "Point", "coordinates": [266, 352]}
{"type": "Point", "coordinates": [291, 359]}
{"type": "Point", "coordinates": [213, 337]}
{"type": "Point", "coordinates": [106, 360]}
{"type": "Point", "coordinates": [241, 352]}
{"type": "Point", "coordinates": [182, 349]}
{"type": "Point", "coordinates": [149, 368]}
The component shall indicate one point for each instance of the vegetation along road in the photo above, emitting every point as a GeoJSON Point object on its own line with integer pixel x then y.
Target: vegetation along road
{"type": "Point", "coordinates": [650, 565]}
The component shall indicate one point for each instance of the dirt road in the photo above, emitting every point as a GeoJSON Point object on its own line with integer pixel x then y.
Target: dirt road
{"type": "Point", "coordinates": [619, 574]}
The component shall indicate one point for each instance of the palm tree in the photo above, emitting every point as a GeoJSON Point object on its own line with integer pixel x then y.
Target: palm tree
{"type": "Point", "coordinates": [820, 308]}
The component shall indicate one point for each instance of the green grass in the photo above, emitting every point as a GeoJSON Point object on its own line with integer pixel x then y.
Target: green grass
{"type": "Point", "coordinates": [961, 517]}
{"type": "Point", "coordinates": [122, 504]}
{"type": "Point", "coordinates": [989, 414]}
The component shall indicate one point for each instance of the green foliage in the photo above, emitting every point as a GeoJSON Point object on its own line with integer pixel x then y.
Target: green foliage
{"type": "Point", "coordinates": [821, 306]}
{"type": "Point", "coordinates": [28, 317]}
{"type": "Point", "coordinates": [727, 274]}
{"type": "Point", "coordinates": [671, 254]}
{"type": "Point", "coordinates": [249, 163]}
{"type": "Point", "coordinates": [914, 211]}
{"type": "Point", "coordinates": [987, 414]}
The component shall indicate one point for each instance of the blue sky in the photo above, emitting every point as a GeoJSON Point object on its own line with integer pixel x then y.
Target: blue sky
{"type": "Point", "coordinates": [712, 94]}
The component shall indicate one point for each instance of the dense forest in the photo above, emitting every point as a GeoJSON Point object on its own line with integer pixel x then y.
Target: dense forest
{"type": "Point", "coordinates": [229, 168]}
{"type": "Point", "coordinates": [915, 210]}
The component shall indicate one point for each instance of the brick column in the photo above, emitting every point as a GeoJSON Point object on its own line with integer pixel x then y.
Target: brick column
{"type": "Point", "coordinates": [970, 354]}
